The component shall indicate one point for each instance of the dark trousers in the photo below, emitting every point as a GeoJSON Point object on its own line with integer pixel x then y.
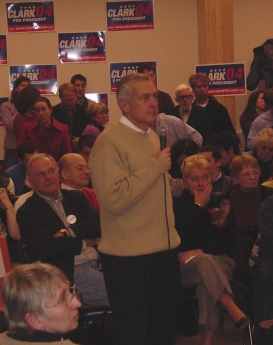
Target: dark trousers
{"type": "Point", "coordinates": [143, 295]}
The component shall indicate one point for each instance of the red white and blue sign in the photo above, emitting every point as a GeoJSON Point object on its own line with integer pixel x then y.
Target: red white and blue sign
{"type": "Point", "coordinates": [118, 70]}
{"type": "Point", "coordinates": [30, 16]}
{"type": "Point", "coordinates": [42, 77]}
{"type": "Point", "coordinates": [98, 97]}
{"type": "Point", "coordinates": [130, 15]}
{"type": "Point", "coordinates": [226, 79]}
{"type": "Point", "coordinates": [3, 50]}
{"type": "Point", "coordinates": [82, 47]}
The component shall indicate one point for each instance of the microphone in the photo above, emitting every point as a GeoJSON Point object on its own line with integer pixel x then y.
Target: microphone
{"type": "Point", "coordinates": [162, 132]}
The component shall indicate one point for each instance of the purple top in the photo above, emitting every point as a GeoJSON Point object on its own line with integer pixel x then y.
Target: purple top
{"type": "Point", "coordinates": [9, 112]}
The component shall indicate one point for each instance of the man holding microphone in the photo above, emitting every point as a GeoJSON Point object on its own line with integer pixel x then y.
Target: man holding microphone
{"type": "Point", "coordinates": [140, 265]}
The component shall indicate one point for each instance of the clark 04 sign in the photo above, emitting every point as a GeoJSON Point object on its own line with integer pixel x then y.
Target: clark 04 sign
{"type": "Point", "coordinates": [42, 77]}
{"type": "Point", "coordinates": [130, 15]}
{"type": "Point", "coordinates": [225, 79]}
{"type": "Point", "coordinates": [3, 50]}
{"type": "Point", "coordinates": [82, 47]}
{"type": "Point", "coordinates": [30, 16]}
{"type": "Point", "coordinates": [118, 70]}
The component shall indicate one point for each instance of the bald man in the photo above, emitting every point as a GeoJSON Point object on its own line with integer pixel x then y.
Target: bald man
{"type": "Point", "coordinates": [74, 174]}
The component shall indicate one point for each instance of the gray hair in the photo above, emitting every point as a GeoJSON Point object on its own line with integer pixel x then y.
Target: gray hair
{"type": "Point", "coordinates": [125, 88]}
{"type": "Point", "coordinates": [264, 136]}
{"type": "Point", "coordinates": [27, 288]}
{"type": "Point", "coordinates": [182, 87]}
{"type": "Point", "coordinates": [36, 157]}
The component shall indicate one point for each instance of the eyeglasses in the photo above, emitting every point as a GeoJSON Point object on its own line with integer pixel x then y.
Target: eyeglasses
{"type": "Point", "coordinates": [184, 97]}
{"type": "Point", "coordinates": [266, 148]}
{"type": "Point", "coordinates": [253, 173]}
{"type": "Point", "coordinates": [67, 299]}
{"type": "Point", "coordinates": [72, 100]}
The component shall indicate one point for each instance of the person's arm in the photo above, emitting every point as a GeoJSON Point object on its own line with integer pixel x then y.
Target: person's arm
{"type": "Point", "coordinates": [194, 135]}
{"type": "Point", "coordinates": [120, 189]}
{"type": "Point", "coordinates": [254, 129]}
{"type": "Point", "coordinates": [65, 143]}
{"type": "Point", "coordinates": [39, 240]}
{"type": "Point", "coordinates": [8, 113]}
{"type": "Point", "coordinates": [12, 225]}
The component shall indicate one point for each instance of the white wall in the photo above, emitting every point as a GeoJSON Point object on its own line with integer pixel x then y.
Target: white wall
{"type": "Point", "coordinates": [173, 44]}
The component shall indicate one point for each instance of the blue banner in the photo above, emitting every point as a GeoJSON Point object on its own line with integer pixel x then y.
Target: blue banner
{"type": "Point", "coordinates": [226, 79]}
{"type": "Point", "coordinates": [30, 16]}
{"type": "Point", "coordinates": [42, 77]}
{"type": "Point", "coordinates": [118, 70]}
{"type": "Point", "coordinates": [130, 15]}
{"type": "Point", "coordinates": [3, 50]}
{"type": "Point", "coordinates": [82, 47]}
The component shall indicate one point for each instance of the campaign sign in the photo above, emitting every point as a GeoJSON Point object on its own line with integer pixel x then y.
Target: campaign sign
{"type": "Point", "coordinates": [2, 100]}
{"type": "Point", "coordinates": [3, 50]}
{"type": "Point", "coordinates": [118, 70]}
{"type": "Point", "coordinates": [82, 47]}
{"type": "Point", "coordinates": [42, 77]}
{"type": "Point", "coordinates": [226, 79]}
{"type": "Point", "coordinates": [30, 16]}
{"type": "Point", "coordinates": [130, 15]}
{"type": "Point", "coordinates": [98, 97]}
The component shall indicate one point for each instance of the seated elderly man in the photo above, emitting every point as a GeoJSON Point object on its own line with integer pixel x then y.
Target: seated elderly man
{"type": "Point", "coordinates": [60, 227]}
{"type": "Point", "coordinates": [192, 114]}
{"type": "Point", "coordinates": [39, 305]}
{"type": "Point", "coordinates": [74, 174]}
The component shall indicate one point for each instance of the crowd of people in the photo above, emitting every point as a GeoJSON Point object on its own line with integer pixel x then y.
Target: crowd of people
{"type": "Point", "coordinates": [128, 221]}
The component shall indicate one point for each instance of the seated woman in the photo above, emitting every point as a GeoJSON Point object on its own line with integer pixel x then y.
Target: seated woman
{"type": "Point", "coordinates": [39, 305]}
{"type": "Point", "coordinates": [98, 116]}
{"type": "Point", "coordinates": [255, 107]}
{"type": "Point", "coordinates": [208, 233]}
{"type": "Point", "coordinates": [8, 113]}
{"type": "Point", "coordinates": [50, 136]}
{"type": "Point", "coordinates": [263, 152]}
{"type": "Point", "coordinates": [245, 199]}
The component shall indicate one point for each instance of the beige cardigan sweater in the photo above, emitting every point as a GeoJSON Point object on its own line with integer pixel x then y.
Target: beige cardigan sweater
{"type": "Point", "coordinates": [129, 185]}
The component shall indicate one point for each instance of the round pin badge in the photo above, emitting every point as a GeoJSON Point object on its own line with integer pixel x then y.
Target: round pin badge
{"type": "Point", "coordinates": [71, 219]}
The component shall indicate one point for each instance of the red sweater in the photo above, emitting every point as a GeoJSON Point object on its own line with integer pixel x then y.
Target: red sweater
{"type": "Point", "coordinates": [53, 140]}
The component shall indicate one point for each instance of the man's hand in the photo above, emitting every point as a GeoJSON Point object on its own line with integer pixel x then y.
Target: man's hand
{"type": "Point", "coordinates": [61, 234]}
{"type": "Point", "coordinates": [164, 157]}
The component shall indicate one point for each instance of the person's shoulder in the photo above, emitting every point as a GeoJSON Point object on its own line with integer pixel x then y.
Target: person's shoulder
{"type": "Point", "coordinates": [71, 193]}
{"type": "Point", "coordinates": [163, 94]}
{"type": "Point", "coordinates": [14, 168]}
{"type": "Point", "coordinates": [58, 124]}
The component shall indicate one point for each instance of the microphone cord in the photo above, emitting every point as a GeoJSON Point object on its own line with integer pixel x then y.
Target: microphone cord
{"type": "Point", "coordinates": [170, 261]}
